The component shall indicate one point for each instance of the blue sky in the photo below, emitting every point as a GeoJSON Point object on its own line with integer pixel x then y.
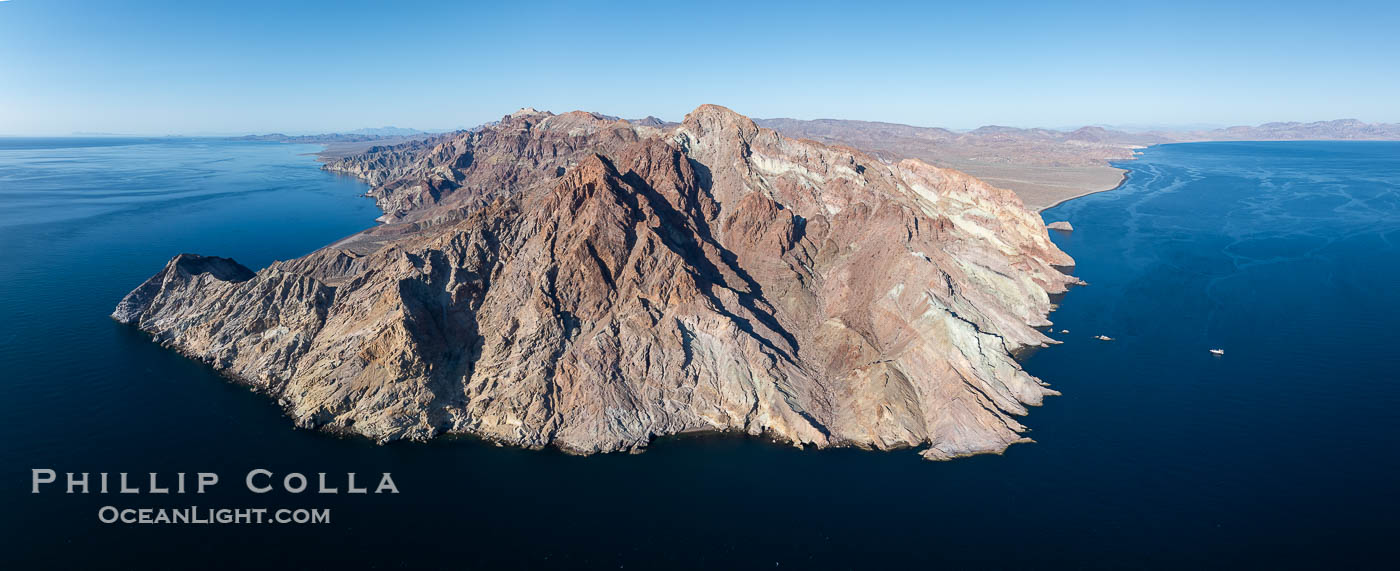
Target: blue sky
{"type": "Point", "coordinates": [212, 67]}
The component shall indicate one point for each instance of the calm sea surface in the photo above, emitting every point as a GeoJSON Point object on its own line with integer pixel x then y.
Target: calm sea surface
{"type": "Point", "coordinates": [1281, 453]}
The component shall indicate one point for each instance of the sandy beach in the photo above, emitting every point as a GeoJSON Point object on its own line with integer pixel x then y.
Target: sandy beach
{"type": "Point", "coordinates": [1042, 187]}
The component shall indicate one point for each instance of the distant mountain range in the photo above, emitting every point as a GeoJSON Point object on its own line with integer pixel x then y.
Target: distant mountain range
{"type": "Point", "coordinates": [1337, 130]}
{"type": "Point", "coordinates": [893, 141]}
{"type": "Point", "coordinates": [1046, 166]}
{"type": "Point", "coordinates": [1048, 147]}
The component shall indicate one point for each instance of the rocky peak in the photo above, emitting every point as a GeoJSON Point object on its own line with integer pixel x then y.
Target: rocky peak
{"type": "Point", "coordinates": [715, 121]}
{"type": "Point", "coordinates": [528, 112]}
{"type": "Point", "coordinates": [221, 268]}
{"type": "Point", "coordinates": [181, 269]}
{"type": "Point", "coordinates": [649, 121]}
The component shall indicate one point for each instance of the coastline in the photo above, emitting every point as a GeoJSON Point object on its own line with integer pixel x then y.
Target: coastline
{"type": "Point", "coordinates": [1123, 179]}
{"type": "Point", "coordinates": [1042, 186]}
{"type": "Point", "coordinates": [1126, 173]}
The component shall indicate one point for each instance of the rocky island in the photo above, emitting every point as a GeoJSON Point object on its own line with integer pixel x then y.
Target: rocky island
{"type": "Point", "coordinates": [591, 283]}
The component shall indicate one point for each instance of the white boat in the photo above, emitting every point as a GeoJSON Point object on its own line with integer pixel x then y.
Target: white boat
{"type": "Point", "coordinates": [1103, 338]}
{"type": "Point", "coordinates": [1217, 352]}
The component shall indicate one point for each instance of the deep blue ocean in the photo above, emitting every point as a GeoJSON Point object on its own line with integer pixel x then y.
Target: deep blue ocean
{"type": "Point", "coordinates": [1281, 453]}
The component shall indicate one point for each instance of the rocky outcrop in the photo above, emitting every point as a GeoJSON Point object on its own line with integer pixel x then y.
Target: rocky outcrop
{"type": "Point", "coordinates": [590, 283]}
{"type": "Point", "coordinates": [1061, 225]}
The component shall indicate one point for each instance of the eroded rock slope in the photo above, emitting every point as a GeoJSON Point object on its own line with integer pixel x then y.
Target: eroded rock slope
{"type": "Point", "coordinates": [589, 283]}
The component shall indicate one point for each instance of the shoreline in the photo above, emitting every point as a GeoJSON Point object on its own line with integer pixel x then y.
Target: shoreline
{"type": "Point", "coordinates": [1137, 151]}
{"type": "Point", "coordinates": [1123, 179]}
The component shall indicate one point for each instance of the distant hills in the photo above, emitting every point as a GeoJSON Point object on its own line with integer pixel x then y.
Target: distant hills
{"type": "Point", "coordinates": [1046, 166]}
{"type": "Point", "coordinates": [1049, 147]}
{"type": "Point", "coordinates": [992, 143]}
{"type": "Point", "coordinates": [389, 132]}
{"type": "Point", "coordinates": [1337, 130]}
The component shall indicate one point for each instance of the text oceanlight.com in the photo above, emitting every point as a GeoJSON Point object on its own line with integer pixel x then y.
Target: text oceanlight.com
{"type": "Point", "coordinates": [198, 515]}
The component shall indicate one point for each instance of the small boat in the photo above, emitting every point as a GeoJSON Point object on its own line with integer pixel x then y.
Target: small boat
{"type": "Point", "coordinates": [1103, 338]}
{"type": "Point", "coordinates": [1217, 352]}
{"type": "Point", "coordinates": [1064, 331]}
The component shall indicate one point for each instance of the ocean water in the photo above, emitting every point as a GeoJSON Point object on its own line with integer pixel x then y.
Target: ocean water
{"type": "Point", "coordinates": [1280, 453]}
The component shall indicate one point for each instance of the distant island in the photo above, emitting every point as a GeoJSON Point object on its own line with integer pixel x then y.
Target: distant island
{"type": "Point", "coordinates": [344, 144]}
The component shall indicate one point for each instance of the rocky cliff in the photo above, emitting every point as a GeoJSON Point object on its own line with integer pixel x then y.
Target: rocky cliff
{"type": "Point", "coordinates": [590, 283]}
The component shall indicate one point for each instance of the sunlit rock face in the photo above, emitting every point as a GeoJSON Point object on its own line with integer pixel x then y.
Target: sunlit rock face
{"type": "Point", "coordinates": [588, 283]}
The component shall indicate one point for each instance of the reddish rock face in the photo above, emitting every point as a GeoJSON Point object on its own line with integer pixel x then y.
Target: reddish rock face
{"type": "Point", "coordinates": [587, 283]}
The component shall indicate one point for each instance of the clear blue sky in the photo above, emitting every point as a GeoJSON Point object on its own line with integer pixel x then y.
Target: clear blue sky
{"type": "Point", "coordinates": [204, 67]}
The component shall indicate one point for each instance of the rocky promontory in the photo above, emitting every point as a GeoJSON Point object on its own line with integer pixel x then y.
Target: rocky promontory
{"type": "Point", "coordinates": [591, 283]}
